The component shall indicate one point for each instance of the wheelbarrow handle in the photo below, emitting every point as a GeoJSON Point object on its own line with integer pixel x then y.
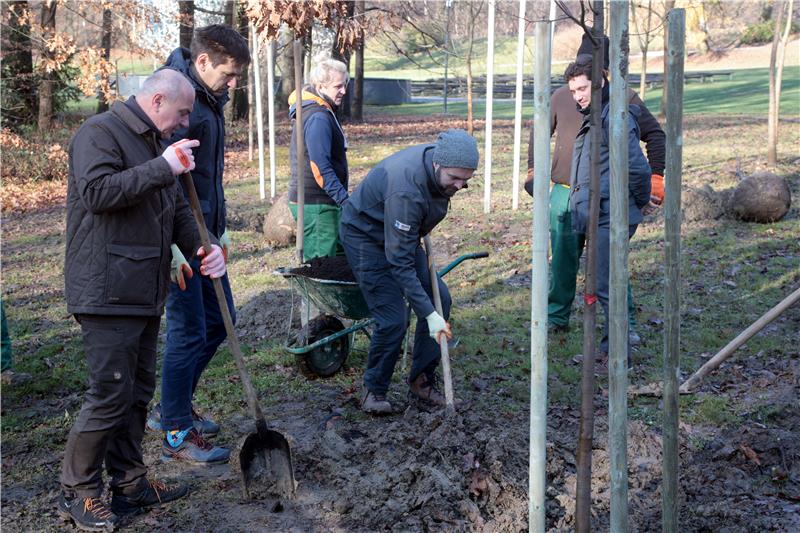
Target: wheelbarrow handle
{"type": "Point", "coordinates": [460, 259]}
{"type": "Point", "coordinates": [233, 341]}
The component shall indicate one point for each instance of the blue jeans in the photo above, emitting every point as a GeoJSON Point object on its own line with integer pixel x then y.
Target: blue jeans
{"type": "Point", "coordinates": [603, 272]}
{"type": "Point", "coordinates": [194, 332]}
{"type": "Point", "coordinates": [384, 297]}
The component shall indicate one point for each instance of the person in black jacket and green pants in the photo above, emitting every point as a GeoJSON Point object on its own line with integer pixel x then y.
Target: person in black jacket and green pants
{"type": "Point", "coordinates": [565, 121]}
{"type": "Point", "coordinates": [324, 174]}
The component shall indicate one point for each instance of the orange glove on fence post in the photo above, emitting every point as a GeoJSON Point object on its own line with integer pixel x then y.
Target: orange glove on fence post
{"type": "Point", "coordinates": [657, 189]}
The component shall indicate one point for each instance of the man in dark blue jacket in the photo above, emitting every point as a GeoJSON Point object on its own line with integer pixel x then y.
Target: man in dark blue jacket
{"type": "Point", "coordinates": [194, 323]}
{"type": "Point", "coordinates": [400, 201]}
{"type": "Point", "coordinates": [324, 175]}
{"type": "Point", "coordinates": [578, 76]}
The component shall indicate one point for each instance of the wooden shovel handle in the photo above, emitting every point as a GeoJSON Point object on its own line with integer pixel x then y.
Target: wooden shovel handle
{"type": "Point", "coordinates": [233, 341]}
{"type": "Point", "coordinates": [447, 376]}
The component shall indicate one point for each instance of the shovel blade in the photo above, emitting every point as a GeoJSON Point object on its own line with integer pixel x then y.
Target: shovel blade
{"type": "Point", "coordinates": [265, 459]}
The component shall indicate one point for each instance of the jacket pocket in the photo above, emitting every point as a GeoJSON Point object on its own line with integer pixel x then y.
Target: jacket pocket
{"type": "Point", "coordinates": [132, 274]}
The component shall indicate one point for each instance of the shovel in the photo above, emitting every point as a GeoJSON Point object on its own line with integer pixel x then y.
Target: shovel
{"type": "Point", "coordinates": [266, 451]}
{"type": "Point", "coordinates": [437, 303]}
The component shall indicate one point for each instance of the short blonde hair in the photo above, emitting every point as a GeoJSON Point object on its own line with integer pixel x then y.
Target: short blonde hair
{"type": "Point", "coordinates": [321, 73]}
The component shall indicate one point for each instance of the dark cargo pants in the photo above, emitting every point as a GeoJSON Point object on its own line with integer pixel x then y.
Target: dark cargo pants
{"type": "Point", "coordinates": [384, 297]}
{"type": "Point", "coordinates": [121, 359]}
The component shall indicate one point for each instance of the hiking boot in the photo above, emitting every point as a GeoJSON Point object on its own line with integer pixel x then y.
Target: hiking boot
{"type": "Point", "coordinates": [189, 446]}
{"type": "Point", "coordinates": [376, 404]}
{"type": "Point", "coordinates": [156, 492]}
{"type": "Point", "coordinates": [205, 427]}
{"type": "Point", "coordinates": [424, 388]}
{"type": "Point", "coordinates": [88, 514]}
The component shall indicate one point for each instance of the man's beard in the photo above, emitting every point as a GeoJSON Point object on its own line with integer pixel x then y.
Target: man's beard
{"type": "Point", "coordinates": [448, 191]}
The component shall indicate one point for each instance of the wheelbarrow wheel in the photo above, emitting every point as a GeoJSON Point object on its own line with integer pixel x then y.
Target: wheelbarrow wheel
{"type": "Point", "coordinates": [323, 361]}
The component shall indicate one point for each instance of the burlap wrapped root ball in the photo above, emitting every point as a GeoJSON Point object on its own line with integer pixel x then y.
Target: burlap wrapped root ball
{"type": "Point", "coordinates": [279, 225]}
{"type": "Point", "coordinates": [763, 197]}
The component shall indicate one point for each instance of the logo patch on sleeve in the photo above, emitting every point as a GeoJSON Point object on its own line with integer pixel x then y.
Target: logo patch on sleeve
{"type": "Point", "coordinates": [401, 226]}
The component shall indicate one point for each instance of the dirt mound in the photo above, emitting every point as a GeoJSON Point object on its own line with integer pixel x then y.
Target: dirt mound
{"type": "Point", "coordinates": [701, 203]}
{"type": "Point", "coordinates": [266, 316]}
{"type": "Point", "coordinates": [330, 268]}
{"type": "Point", "coordinates": [421, 472]}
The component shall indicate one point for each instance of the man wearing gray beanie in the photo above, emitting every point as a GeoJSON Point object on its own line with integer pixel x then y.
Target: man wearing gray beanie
{"type": "Point", "coordinates": [400, 201]}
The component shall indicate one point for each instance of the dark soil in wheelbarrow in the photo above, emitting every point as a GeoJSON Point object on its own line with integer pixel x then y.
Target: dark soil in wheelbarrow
{"type": "Point", "coordinates": [329, 268]}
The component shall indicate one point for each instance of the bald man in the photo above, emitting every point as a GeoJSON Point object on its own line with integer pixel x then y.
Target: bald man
{"type": "Point", "coordinates": [124, 208]}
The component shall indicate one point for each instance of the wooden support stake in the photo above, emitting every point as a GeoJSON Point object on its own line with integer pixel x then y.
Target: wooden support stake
{"type": "Point", "coordinates": [537, 476]}
{"type": "Point", "coordinates": [518, 107]}
{"type": "Point", "coordinates": [487, 152]}
{"type": "Point", "coordinates": [271, 115]}
{"type": "Point", "coordinates": [618, 268]}
{"type": "Point", "coordinates": [300, 146]}
{"type": "Point", "coordinates": [259, 111]}
{"type": "Point", "coordinates": [676, 31]}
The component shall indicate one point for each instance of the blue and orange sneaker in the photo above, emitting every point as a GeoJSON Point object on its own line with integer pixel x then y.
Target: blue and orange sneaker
{"type": "Point", "coordinates": [189, 446]}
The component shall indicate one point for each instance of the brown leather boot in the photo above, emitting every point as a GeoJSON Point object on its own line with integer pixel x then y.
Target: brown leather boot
{"type": "Point", "coordinates": [424, 389]}
{"type": "Point", "coordinates": [375, 404]}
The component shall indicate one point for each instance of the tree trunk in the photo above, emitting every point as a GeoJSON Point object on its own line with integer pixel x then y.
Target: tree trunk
{"type": "Point", "coordinates": [18, 94]}
{"type": "Point", "coordinates": [186, 28]}
{"type": "Point", "coordinates": [775, 77]}
{"type": "Point", "coordinates": [669, 5]}
{"type": "Point", "coordinates": [102, 105]}
{"type": "Point", "coordinates": [644, 44]}
{"type": "Point", "coordinates": [240, 103]}
{"type": "Point", "coordinates": [468, 61]}
{"type": "Point", "coordinates": [229, 9]}
{"type": "Point", "coordinates": [286, 66]}
{"type": "Point", "coordinates": [358, 82]}
{"type": "Point", "coordinates": [583, 491]}
{"type": "Point", "coordinates": [47, 83]}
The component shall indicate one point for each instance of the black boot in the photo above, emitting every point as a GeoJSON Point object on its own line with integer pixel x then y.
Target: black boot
{"type": "Point", "coordinates": [153, 493]}
{"type": "Point", "coordinates": [89, 514]}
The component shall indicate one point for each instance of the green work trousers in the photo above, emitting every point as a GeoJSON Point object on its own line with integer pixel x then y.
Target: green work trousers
{"type": "Point", "coordinates": [566, 248]}
{"type": "Point", "coordinates": [321, 235]}
{"type": "Point", "coordinates": [5, 351]}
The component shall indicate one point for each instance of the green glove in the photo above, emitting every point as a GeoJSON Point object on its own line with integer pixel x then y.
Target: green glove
{"type": "Point", "coordinates": [179, 267]}
{"type": "Point", "coordinates": [225, 243]}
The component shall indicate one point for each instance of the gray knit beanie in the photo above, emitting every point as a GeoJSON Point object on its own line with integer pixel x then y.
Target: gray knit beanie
{"type": "Point", "coordinates": [456, 149]}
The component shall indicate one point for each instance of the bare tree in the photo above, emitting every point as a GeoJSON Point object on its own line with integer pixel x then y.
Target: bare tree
{"type": "Point", "coordinates": [102, 104]}
{"type": "Point", "coordinates": [779, 41]}
{"type": "Point", "coordinates": [18, 94]}
{"type": "Point", "coordinates": [644, 28]}
{"type": "Point", "coordinates": [475, 9]}
{"type": "Point", "coordinates": [669, 5]}
{"type": "Point", "coordinates": [47, 82]}
{"type": "Point", "coordinates": [240, 104]}
{"type": "Point", "coordinates": [186, 14]}
{"type": "Point", "coordinates": [358, 81]}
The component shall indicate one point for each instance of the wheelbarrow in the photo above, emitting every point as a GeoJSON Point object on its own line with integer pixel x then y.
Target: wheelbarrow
{"type": "Point", "coordinates": [323, 345]}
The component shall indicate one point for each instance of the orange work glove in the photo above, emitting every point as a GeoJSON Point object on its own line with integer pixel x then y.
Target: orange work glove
{"type": "Point", "coordinates": [657, 189]}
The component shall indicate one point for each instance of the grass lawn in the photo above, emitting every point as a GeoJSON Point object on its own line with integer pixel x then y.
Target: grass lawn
{"type": "Point", "coordinates": [747, 92]}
